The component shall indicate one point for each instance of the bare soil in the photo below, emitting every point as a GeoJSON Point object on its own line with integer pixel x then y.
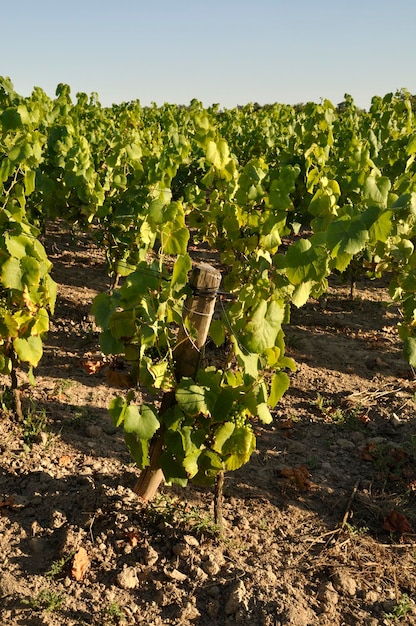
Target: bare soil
{"type": "Point", "coordinates": [319, 525]}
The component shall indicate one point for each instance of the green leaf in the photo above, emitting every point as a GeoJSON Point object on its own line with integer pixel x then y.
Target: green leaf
{"type": "Point", "coordinates": [30, 271]}
{"type": "Point", "coordinates": [411, 145]}
{"type": "Point", "coordinates": [11, 274]}
{"type": "Point", "coordinates": [225, 402]}
{"type": "Point", "coordinates": [190, 463]}
{"type": "Point", "coordinates": [138, 448]}
{"type": "Point", "coordinates": [29, 350]}
{"type": "Point", "coordinates": [109, 344]}
{"type": "Point", "coordinates": [162, 375]}
{"type": "Point", "coordinates": [249, 361]}
{"type": "Point", "coordinates": [222, 433]}
{"type": "Point", "coordinates": [378, 222]}
{"type": "Point", "coordinates": [191, 398]}
{"type": "Point", "coordinates": [279, 385]}
{"type": "Point", "coordinates": [5, 364]}
{"type": "Point", "coordinates": [181, 269]}
{"type": "Point", "coordinates": [174, 239]}
{"type": "Point", "coordinates": [409, 350]}
{"type": "Point", "coordinates": [347, 236]}
{"type": "Point", "coordinates": [10, 119]}
{"type": "Point", "coordinates": [342, 261]}
{"type": "Point", "coordinates": [117, 410]}
{"type": "Point", "coordinates": [18, 245]}
{"type": "Point", "coordinates": [29, 182]}
{"type": "Point", "coordinates": [270, 237]}
{"type": "Point", "coordinates": [102, 309]}
{"type": "Point", "coordinates": [301, 294]}
{"type": "Point", "coordinates": [239, 447]}
{"type": "Point", "coordinates": [173, 470]}
{"type": "Point", "coordinates": [217, 332]}
{"type": "Point", "coordinates": [218, 153]}
{"type": "Point", "coordinates": [155, 215]}
{"type": "Point", "coordinates": [305, 261]}
{"type": "Point", "coordinates": [143, 423]}
{"type": "Point", "coordinates": [209, 464]}
{"type": "Point", "coordinates": [264, 414]}
{"type": "Point", "coordinates": [122, 324]}
{"type": "Point", "coordinates": [376, 189]}
{"type": "Point", "coordinates": [262, 329]}
{"type": "Point", "coordinates": [137, 284]}
{"type": "Point", "coordinates": [41, 324]}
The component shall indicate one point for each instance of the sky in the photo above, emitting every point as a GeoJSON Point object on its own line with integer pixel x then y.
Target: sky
{"type": "Point", "coordinates": [229, 52]}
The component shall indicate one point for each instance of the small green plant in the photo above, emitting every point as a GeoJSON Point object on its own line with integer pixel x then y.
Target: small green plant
{"type": "Point", "coordinates": [349, 415]}
{"type": "Point", "coordinates": [6, 399]}
{"type": "Point", "coordinates": [46, 600]}
{"type": "Point", "coordinates": [356, 531]}
{"type": "Point", "coordinates": [113, 613]}
{"type": "Point", "coordinates": [403, 606]}
{"type": "Point", "coordinates": [312, 462]}
{"type": "Point", "coordinates": [34, 422]}
{"type": "Point", "coordinates": [58, 567]}
{"type": "Point", "coordinates": [328, 410]}
{"type": "Point", "coordinates": [171, 510]}
{"type": "Point", "coordinates": [199, 522]}
{"type": "Point", "coordinates": [61, 387]}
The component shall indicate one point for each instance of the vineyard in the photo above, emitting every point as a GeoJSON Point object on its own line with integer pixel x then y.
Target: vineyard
{"type": "Point", "coordinates": [283, 441]}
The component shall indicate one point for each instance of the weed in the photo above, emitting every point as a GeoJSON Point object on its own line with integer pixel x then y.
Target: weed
{"type": "Point", "coordinates": [46, 600]}
{"type": "Point", "coordinates": [113, 612]}
{"type": "Point", "coordinates": [403, 606]}
{"type": "Point", "coordinates": [171, 510]}
{"type": "Point", "coordinates": [356, 531]}
{"type": "Point", "coordinates": [81, 414]}
{"type": "Point", "coordinates": [201, 524]}
{"type": "Point", "coordinates": [312, 462]}
{"type": "Point", "coordinates": [351, 416]}
{"type": "Point", "coordinates": [58, 567]}
{"type": "Point", "coordinates": [326, 407]}
{"type": "Point", "coordinates": [6, 399]}
{"type": "Point", "coordinates": [34, 423]}
{"type": "Point", "coordinates": [62, 385]}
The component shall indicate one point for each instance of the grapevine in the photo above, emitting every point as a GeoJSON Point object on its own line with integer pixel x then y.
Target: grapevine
{"type": "Point", "coordinates": [283, 196]}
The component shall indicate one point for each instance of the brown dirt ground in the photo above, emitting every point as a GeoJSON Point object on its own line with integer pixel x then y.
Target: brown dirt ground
{"type": "Point", "coordinates": [319, 525]}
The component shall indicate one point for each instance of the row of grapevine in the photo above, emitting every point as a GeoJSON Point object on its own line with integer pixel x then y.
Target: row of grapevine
{"type": "Point", "coordinates": [337, 183]}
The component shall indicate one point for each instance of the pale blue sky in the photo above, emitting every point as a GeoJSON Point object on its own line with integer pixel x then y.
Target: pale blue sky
{"type": "Point", "coordinates": [226, 51]}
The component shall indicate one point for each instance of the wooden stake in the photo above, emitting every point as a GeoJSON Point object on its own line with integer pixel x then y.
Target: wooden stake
{"type": "Point", "coordinates": [218, 499]}
{"type": "Point", "coordinates": [197, 315]}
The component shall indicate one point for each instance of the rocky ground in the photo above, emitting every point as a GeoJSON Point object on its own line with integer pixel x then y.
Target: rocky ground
{"type": "Point", "coordinates": [319, 526]}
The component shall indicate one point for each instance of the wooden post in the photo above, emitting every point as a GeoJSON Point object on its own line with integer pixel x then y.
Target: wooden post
{"type": "Point", "coordinates": [197, 314]}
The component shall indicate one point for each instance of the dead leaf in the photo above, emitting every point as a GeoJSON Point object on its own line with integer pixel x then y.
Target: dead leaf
{"type": "Point", "coordinates": [8, 503]}
{"type": "Point", "coordinates": [93, 365]}
{"type": "Point", "coordinates": [298, 475]}
{"type": "Point", "coordinates": [116, 378]}
{"type": "Point", "coordinates": [284, 424]}
{"type": "Point", "coordinates": [133, 538]}
{"type": "Point", "coordinates": [398, 455]}
{"type": "Point", "coordinates": [28, 302]}
{"type": "Point", "coordinates": [80, 564]}
{"type": "Point", "coordinates": [368, 452]}
{"type": "Point", "coordinates": [396, 522]}
{"type": "Point", "coordinates": [65, 460]}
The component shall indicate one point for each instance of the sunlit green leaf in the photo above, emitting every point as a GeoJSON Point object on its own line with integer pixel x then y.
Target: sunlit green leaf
{"type": "Point", "coordinates": [143, 423]}
{"type": "Point", "coordinates": [191, 397]}
{"type": "Point", "coordinates": [279, 385]}
{"type": "Point", "coordinates": [29, 350]}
